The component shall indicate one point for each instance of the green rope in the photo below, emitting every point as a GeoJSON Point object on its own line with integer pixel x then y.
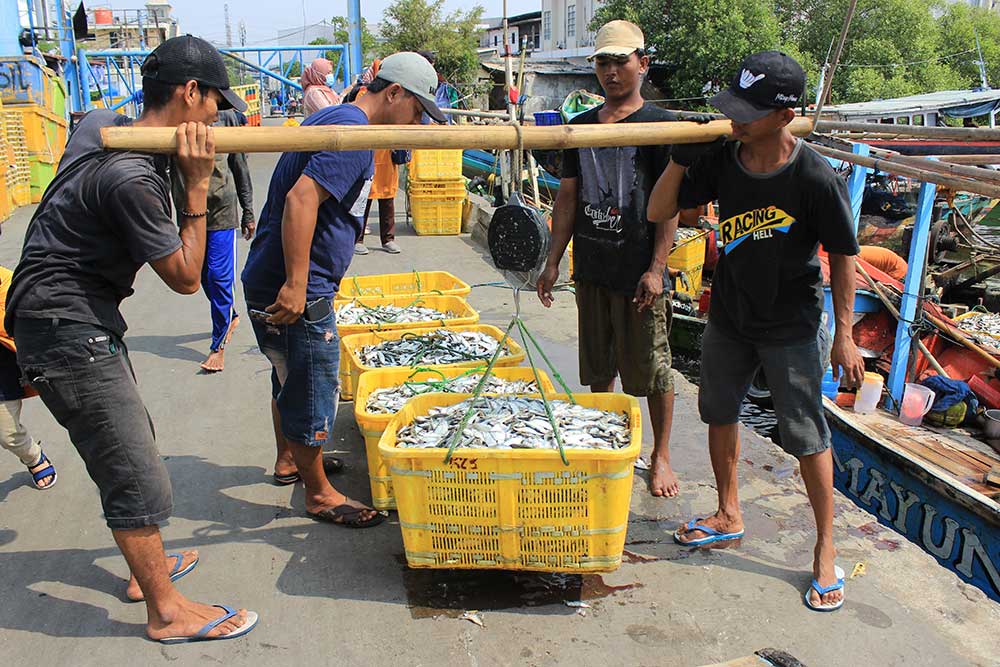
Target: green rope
{"type": "Point", "coordinates": [541, 391]}
{"type": "Point", "coordinates": [478, 392]}
{"type": "Point", "coordinates": [548, 363]}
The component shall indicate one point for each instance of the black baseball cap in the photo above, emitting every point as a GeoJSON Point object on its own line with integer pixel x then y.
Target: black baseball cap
{"type": "Point", "coordinates": [182, 59]}
{"type": "Point", "coordinates": [766, 81]}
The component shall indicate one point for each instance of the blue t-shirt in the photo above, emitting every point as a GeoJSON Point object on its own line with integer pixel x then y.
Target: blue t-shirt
{"type": "Point", "coordinates": [347, 177]}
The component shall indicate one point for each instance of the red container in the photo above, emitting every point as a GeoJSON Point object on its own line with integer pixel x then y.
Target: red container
{"type": "Point", "coordinates": [986, 392]}
{"type": "Point", "coordinates": [103, 17]}
{"type": "Point", "coordinates": [704, 300]}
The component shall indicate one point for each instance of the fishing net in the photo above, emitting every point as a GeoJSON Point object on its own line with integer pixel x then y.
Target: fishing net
{"type": "Point", "coordinates": [518, 240]}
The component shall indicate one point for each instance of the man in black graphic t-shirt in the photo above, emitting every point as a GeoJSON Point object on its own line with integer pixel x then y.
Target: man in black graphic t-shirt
{"type": "Point", "coordinates": [619, 256]}
{"type": "Point", "coordinates": [778, 200]}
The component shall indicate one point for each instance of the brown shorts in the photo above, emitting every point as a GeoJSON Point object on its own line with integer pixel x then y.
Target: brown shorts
{"type": "Point", "coordinates": [617, 340]}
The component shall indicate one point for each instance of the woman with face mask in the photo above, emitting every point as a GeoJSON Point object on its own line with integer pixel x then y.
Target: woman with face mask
{"type": "Point", "coordinates": [316, 80]}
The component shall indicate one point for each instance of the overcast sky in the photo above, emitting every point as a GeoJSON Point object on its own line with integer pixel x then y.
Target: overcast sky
{"type": "Point", "coordinates": [265, 17]}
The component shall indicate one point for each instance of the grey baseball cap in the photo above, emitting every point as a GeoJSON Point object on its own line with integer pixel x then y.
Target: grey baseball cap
{"type": "Point", "coordinates": [412, 71]}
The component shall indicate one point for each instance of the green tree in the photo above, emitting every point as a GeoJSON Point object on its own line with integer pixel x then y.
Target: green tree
{"type": "Point", "coordinates": [893, 48]}
{"type": "Point", "coordinates": [959, 25]}
{"type": "Point", "coordinates": [368, 41]}
{"type": "Point", "coordinates": [701, 42]}
{"type": "Point", "coordinates": [422, 25]}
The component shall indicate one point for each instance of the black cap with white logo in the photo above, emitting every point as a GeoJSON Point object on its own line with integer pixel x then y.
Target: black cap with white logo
{"type": "Point", "coordinates": [182, 59]}
{"type": "Point", "coordinates": [766, 81]}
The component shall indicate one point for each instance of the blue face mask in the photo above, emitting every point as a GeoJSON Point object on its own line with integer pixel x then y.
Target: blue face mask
{"type": "Point", "coordinates": [330, 80]}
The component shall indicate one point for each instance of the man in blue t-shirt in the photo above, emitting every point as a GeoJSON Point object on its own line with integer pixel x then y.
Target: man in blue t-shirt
{"type": "Point", "coordinates": [304, 244]}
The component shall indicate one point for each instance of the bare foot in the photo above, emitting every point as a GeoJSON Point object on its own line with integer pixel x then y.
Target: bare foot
{"type": "Point", "coordinates": [823, 573]}
{"type": "Point", "coordinates": [718, 521]}
{"type": "Point", "coordinates": [233, 323]}
{"type": "Point", "coordinates": [662, 480]}
{"type": "Point", "coordinates": [187, 618]}
{"type": "Point", "coordinates": [41, 465]}
{"type": "Point", "coordinates": [134, 593]}
{"type": "Point", "coordinates": [215, 362]}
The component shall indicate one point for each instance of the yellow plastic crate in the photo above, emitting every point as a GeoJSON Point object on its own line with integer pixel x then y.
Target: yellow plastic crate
{"type": "Point", "coordinates": [45, 133]}
{"type": "Point", "coordinates": [464, 314]}
{"type": "Point", "coordinates": [436, 164]}
{"type": "Point", "coordinates": [372, 424]}
{"type": "Point", "coordinates": [402, 284]}
{"type": "Point", "coordinates": [437, 217]}
{"type": "Point", "coordinates": [689, 257]}
{"type": "Point", "coordinates": [351, 344]}
{"type": "Point", "coordinates": [513, 509]}
{"type": "Point", "coordinates": [437, 189]}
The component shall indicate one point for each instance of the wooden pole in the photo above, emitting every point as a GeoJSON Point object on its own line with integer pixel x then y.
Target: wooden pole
{"type": "Point", "coordinates": [893, 167]}
{"type": "Point", "coordinates": [981, 159]}
{"type": "Point", "coordinates": [895, 313]}
{"type": "Point", "coordinates": [958, 171]}
{"type": "Point", "coordinates": [828, 84]}
{"type": "Point", "coordinates": [476, 113]}
{"type": "Point", "coordinates": [369, 137]}
{"type": "Point", "coordinates": [917, 131]}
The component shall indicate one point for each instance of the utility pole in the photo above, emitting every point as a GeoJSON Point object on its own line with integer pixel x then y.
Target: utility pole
{"type": "Point", "coordinates": [243, 42]}
{"type": "Point", "coordinates": [982, 63]}
{"type": "Point", "coordinates": [229, 25]}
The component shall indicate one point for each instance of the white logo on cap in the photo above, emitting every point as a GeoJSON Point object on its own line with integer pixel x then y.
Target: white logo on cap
{"type": "Point", "coordinates": [747, 78]}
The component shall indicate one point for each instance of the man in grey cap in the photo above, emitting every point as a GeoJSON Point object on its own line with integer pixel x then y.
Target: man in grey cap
{"type": "Point", "coordinates": [304, 245]}
{"type": "Point", "coordinates": [103, 217]}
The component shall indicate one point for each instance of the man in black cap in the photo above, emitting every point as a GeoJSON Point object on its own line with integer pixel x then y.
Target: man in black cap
{"type": "Point", "coordinates": [778, 200]}
{"type": "Point", "coordinates": [102, 218]}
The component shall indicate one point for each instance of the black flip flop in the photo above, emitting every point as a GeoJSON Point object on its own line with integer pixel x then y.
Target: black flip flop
{"type": "Point", "coordinates": [331, 465]}
{"type": "Point", "coordinates": [348, 516]}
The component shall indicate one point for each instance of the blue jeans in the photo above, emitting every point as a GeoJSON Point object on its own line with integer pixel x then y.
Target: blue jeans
{"type": "Point", "coordinates": [304, 360]}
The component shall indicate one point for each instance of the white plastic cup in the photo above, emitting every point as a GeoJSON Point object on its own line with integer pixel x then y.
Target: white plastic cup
{"type": "Point", "coordinates": [867, 397]}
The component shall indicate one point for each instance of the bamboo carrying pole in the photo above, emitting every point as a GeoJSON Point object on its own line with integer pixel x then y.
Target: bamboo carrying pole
{"type": "Point", "coordinates": [369, 137]}
{"type": "Point", "coordinates": [894, 167]}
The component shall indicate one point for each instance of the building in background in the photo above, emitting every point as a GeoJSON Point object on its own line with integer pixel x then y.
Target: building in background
{"type": "Point", "coordinates": [525, 28]}
{"type": "Point", "coordinates": [565, 28]}
{"type": "Point", "coordinates": [144, 28]}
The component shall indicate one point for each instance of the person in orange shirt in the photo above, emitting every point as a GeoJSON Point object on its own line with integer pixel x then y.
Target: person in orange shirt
{"type": "Point", "coordinates": [13, 436]}
{"type": "Point", "coordinates": [885, 261]}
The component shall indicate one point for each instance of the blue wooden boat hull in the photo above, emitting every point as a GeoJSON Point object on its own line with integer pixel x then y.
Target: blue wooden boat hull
{"type": "Point", "coordinates": [961, 531]}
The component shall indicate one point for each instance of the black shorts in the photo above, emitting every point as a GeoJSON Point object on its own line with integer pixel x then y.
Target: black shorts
{"type": "Point", "coordinates": [794, 375]}
{"type": "Point", "coordinates": [83, 375]}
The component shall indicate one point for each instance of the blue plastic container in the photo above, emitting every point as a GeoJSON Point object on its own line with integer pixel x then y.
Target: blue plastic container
{"type": "Point", "coordinates": [24, 80]}
{"type": "Point", "coordinates": [548, 118]}
{"type": "Point", "coordinates": [830, 386]}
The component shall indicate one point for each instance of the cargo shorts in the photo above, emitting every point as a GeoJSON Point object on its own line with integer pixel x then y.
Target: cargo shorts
{"type": "Point", "coordinates": [83, 374]}
{"type": "Point", "coordinates": [794, 373]}
{"type": "Point", "coordinates": [615, 339]}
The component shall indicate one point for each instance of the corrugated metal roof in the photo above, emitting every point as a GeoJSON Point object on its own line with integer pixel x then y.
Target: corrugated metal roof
{"type": "Point", "coordinates": [915, 103]}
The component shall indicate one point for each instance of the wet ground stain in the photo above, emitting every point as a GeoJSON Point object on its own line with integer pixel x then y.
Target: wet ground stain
{"type": "Point", "coordinates": [451, 593]}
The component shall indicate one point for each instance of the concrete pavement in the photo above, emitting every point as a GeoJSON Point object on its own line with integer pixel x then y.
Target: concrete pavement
{"type": "Point", "coordinates": [335, 596]}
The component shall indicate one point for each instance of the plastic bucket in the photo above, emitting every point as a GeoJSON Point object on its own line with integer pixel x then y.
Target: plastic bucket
{"type": "Point", "coordinates": [917, 402]}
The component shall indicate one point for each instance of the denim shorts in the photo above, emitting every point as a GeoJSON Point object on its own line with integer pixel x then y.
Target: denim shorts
{"type": "Point", "coordinates": [794, 375]}
{"type": "Point", "coordinates": [304, 360]}
{"type": "Point", "coordinates": [83, 374]}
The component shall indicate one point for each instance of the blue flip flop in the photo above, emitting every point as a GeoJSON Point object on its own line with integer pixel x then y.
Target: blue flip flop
{"type": "Point", "coordinates": [712, 535]}
{"type": "Point", "coordinates": [823, 590]}
{"type": "Point", "coordinates": [175, 572]}
{"type": "Point", "coordinates": [202, 635]}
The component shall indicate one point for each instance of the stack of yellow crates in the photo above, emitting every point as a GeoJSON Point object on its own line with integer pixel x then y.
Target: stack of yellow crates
{"type": "Point", "coordinates": [34, 111]}
{"type": "Point", "coordinates": [437, 192]}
